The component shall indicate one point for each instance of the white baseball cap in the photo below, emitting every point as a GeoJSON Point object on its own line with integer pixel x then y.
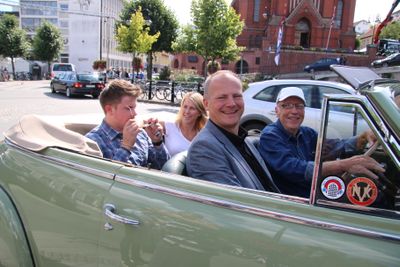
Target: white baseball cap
{"type": "Point", "coordinates": [290, 91]}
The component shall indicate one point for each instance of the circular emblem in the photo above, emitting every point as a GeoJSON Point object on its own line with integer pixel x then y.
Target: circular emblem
{"type": "Point", "coordinates": [332, 187]}
{"type": "Point", "coordinates": [362, 191]}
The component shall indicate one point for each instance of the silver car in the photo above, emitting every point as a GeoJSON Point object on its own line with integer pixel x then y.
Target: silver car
{"type": "Point", "coordinates": [260, 100]}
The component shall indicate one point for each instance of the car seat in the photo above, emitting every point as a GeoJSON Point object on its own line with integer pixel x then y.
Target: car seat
{"type": "Point", "coordinates": [176, 164]}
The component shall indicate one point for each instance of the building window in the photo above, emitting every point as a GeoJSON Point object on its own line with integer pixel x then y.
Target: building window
{"type": "Point", "coordinates": [64, 7]}
{"type": "Point", "coordinates": [258, 60]}
{"type": "Point", "coordinates": [192, 59]}
{"type": "Point", "coordinates": [256, 15]}
{"type": "Point", "coordinates": [64, 24]}
{"type": "Point", "coordinates": [241, 67]}
{"type": "Point", "coordinates": [258, 41]}
{"type": "Point", "coordinates": [339, 13]}
{"type": "Point", "coordinates": [251, 42]}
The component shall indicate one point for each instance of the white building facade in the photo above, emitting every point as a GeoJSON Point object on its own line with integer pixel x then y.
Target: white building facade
{"type": "Point", "coordinates": [87, 28]}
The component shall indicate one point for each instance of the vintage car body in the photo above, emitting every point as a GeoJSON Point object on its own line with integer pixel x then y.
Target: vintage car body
{"type": "Point", "coordinates": [61, 204]}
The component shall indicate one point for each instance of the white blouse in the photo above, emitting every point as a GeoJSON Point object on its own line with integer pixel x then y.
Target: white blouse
{"type": "Point", "coordinates": [174, 140]}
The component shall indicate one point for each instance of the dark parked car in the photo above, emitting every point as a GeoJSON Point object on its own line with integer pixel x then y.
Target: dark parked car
{"type": "Point", "coordinates": [72, 83]}
{"type": "Point", "coordinates": [321, 64]}
{"type": "Point", "coordinates": [392, 60]}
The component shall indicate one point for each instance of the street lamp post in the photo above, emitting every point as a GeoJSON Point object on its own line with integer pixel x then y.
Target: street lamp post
{"type": "Point", "coordinates": [101, 29]}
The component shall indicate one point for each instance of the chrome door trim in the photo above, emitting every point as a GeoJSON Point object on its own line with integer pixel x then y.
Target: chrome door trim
{"type": "Point", "coordinates": [109, 212]}
{"type": "Point", "coordinates": [258, 211]}
{"type": "Point", "coordinates": [63, 162]}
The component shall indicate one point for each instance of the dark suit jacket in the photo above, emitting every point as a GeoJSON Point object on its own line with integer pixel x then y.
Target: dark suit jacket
{"type": "Point", "coordinates": [212, 157]}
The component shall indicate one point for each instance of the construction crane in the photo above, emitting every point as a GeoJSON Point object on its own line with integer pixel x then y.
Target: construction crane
{"type": "Point", "coordinates": [385, 22]}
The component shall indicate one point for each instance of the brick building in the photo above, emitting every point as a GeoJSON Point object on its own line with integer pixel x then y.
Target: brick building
{"type": "Point", "coordinates": [307, 34]}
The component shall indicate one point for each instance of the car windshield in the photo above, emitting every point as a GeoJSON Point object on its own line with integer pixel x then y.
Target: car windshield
{"type": "Point", "coordinates": [392, 56]}
{"type": "Point", "coordinates": [59, 67]}
{"type": "Point", "coordinates": [88, 77]}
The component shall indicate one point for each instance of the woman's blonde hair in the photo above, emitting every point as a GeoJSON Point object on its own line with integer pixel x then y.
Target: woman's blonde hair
{"type": "Point", "coordinates": [197, 100]}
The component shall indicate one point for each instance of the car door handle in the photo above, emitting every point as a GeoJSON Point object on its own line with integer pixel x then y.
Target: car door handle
{"type": "Point", "coordinates": [272, 112]}
{"type": "Point", "coordinates": [109, 211]}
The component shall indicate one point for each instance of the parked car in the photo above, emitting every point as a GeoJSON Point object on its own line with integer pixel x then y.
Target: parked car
{"type": "Point", "coordinates": [72, 83]}
{"type": "Point", "coordinates": [62, 204]}
{"type": "Point", "coordinates": [260, 102]}
{"type": "Point", "coordinates": [391, 60]}
{"type": "Point", "coordinates": [57, 68]}
{"type": "Point", "coordinates": [321, 64]}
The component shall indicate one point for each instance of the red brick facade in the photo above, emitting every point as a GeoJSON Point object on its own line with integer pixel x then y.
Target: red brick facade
{"type": "Point", "coordinates": [307, 27]}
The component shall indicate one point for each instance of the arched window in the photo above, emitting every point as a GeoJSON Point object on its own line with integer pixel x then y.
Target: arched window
{"type": "Point", "coordinates": [241, 67]}
{"type": "Point", "coordinates": [256, 15]}
{"type": "Point", "coordinates": [339, 13]}
{"type": "Point", "coordinates": [303, 34]}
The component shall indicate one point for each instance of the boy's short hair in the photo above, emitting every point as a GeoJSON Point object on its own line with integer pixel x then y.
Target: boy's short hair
{"type": "Point", "coordinates": [117, 89]}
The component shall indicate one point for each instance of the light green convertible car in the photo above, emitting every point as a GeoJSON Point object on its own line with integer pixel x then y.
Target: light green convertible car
{"type": "Point", "coordinates": [62, 204]}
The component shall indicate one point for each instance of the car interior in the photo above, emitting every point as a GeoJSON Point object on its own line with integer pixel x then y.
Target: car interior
{"type": "Point", "coordinates": [37, 133]}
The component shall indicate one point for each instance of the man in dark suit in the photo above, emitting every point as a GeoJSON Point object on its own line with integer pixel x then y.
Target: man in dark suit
{"type": "Point", "coordinates": [220, 152]}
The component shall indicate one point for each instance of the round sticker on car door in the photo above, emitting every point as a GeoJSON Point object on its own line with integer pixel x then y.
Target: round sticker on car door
{"type": "Point", "coordinates": [362, 191]}
{"type": "Point", "coordinates": [332, 187]}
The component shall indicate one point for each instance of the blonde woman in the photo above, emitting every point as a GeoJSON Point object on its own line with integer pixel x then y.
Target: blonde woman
{"type": "Point", "coordinates": [191, 118]}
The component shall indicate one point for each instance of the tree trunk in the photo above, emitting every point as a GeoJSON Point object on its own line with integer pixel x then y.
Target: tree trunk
{"type": "Point", "coordinates": [13, 67]}
{"type": "Point", "coordinates": [48, 75]}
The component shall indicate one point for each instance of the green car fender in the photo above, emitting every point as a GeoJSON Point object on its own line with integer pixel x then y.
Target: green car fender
{"type": "Point", "coordinates": [14, 246]}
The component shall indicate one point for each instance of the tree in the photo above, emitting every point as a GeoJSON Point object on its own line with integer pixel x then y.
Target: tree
{"type": "Point", "coordinates": [213, 34]}
{"type": "Point", "coordinates": [160, 19]}
{"type": "Point", "coordinates": [47, 43]}
{"type": "Point", "coordinates": [135, 37]}
{"type": "Point", "coordinates": [391, 31]}
{"type": "Point", "coordinates": [13, 41]}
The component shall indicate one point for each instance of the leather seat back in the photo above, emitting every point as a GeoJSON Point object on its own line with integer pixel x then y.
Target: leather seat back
{"type": "Point", "coordinates": [176, 164]}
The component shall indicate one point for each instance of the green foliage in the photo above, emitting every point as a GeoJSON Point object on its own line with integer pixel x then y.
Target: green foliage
{"type": "Point", "coordinates": [186, 40]}
{"type": "Point", "coordinates": [186, 75]}
{"type": "Point", "coordinates": [357, 43]}
{"type": "Point", "coordinates": [47, 43]}
{"type": "Point", "coordinates": [213, 35]}
{"type": "Point", "coordinates": [165, 73]}
{"type": "Point", "coordinates": [391, 31]}
{"type": "Point", "coordinates": [161, 20]}
{"type": "Point", "coordinates": [134, 37]}
{"type": "Point", "coordinates": [13, 41]}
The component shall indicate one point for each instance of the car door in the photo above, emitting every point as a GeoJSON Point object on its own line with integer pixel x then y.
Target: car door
{"type": "Point", "coordinates": [395, 61]}
{"type": "Point", "coordinates": [59, 197]}
{"type": "Point", "coordinates": [160, 219]}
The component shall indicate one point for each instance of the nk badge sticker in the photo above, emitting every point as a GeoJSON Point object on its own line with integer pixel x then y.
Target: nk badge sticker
{"type": "Point", "coordinates": [362, 191]}
{"type": "Point", "coordinates": [332, 187]}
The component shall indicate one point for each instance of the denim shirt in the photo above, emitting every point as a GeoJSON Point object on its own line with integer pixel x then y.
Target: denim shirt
{"type": "Point", "coordinates": [291, 158]}
{"type": "Point", "coordinates": [142, 153]}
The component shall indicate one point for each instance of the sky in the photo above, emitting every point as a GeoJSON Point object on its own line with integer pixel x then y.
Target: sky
{"type": "Point", "coordinates": [365, 9]}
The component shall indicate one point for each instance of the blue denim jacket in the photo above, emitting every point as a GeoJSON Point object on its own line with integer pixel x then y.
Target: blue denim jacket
{"type": "Point", "coordinates": [291, 158]}
{"type": "Point", "coordinates": [142, 153]}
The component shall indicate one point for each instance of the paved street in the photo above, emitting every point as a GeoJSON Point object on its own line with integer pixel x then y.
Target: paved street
{"type": "Point", "coordinates": [18, 98]}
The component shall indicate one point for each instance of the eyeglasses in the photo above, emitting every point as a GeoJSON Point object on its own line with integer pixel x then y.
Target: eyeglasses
{"type": "Point", "coordinates": [290, 106]}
